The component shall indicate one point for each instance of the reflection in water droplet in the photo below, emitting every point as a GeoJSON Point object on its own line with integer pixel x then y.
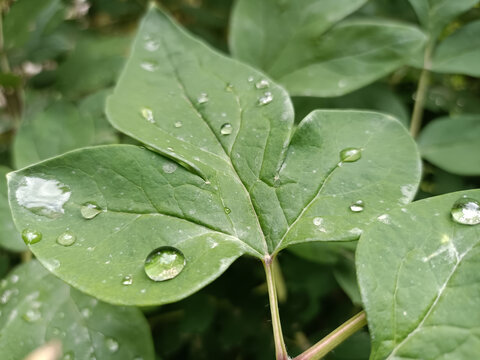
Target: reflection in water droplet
{"type": "Point", "coordinates": [226, 129]}
{"type": "Point", "coordinates": [31, 237]}
{"type": "Point", "coordinates": [262, 84]}
{"type": "Point", "coordinates": [127, 280]}
{"type": "Point", "coordinates": [66, 239]}
{"type": "Point", "coordinates": [169, 168]}
{"type": "Point", "coordinates": [89, 210]}
{"type": "Point", "coordinates": [202, 98]}
{"type": "Point", "coordinates": [43, 197]}
{"type": "Point", "coordinates": [350, 154]}
{"type": "Point", "coordinates": [357, 206]}
{"type": "Point", "coordinates": [265, 99]}
{"type": "Point", "coordinates": [164, 263]}
{"type": "Point", "coordinates": [151, 45]}
{"type": "Point", "coordinates": [227, 210]}
{"type": "Point", "coordinates": [149, 66]}
{"type": "Point", "coordinates": [466, 211]}
{"type": "Point", "coordinates": [178, 124]}
{"type": "Point", "coordinates": [147, 114]}
{"type": "Point", "coordinates": [32, 315]}
{"type": "Point", "coordinates": [112, 344]}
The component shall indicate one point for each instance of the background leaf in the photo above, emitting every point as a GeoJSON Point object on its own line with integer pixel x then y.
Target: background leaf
{"type": "Point", "coordinates": [37, 307]}
{"type": "Point", "coordinates": [418, 274]}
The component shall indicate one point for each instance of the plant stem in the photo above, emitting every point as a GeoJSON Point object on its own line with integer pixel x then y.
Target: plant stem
{"type": "Point", "coordinates": [26, 256]}
{"type": "Point", "coordinates": [280, 349]}
{"type": "Point", "coordinates": [335, 338]}
{"type": "Point", "coordinates": [421, 93]}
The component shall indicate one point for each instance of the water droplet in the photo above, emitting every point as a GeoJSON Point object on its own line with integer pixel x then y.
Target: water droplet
{"type": "Point", "coordinates": [202, 98]}
{"type": "Point", "coordinates": [229, 87]}
{"type": "Point", "coordinates": [169, 168]}
{"type": "Point", "coordinates": [31, 236]}
{"type": "Point", "coordinates": [357, 206]}
{"type": "Point", "coordinates": [127, 280]}
{"type": "Point", "coordinates": [164, 263]}
{"type": "Point", "coordinates": [262, 84]}
{"type": "Point", "coordinates": [178, 124]}
{"type": "Point", "coordinates": [250, 79]}
{"type": "Point", "coordinates": [112, 344]}
{"type": "Point", "coordinates": [66, 239]}
{"type": "Point", "coordinates": [350, 154]}
{"type": "Point", "coordinates": [227, 210]}
{"type": "Point", "coordinates": [69, 356]}
{"type": "Point", "coordinates": [267, 98]}
{"type": "Point", "coordinates": [466, 211]}
{"type": "Point", "coordinates": [149, 66]}
{"type": "Point", "coordinates": [226, 129]}
{"type": "Point", "coordinates": [317, 221]}
{"type": "Point", "coordinates": [43, 197]}
{"type": "Point", "coordinates": [32, 316]}
{"type": "Point", "coordinates": [152, 45]}
{"type": "Point", "coordinates": [89, 210]}
{"type": "Point", "coordinates": [147, 114]}
{"type": "Point", "coordinates": [14, 278]}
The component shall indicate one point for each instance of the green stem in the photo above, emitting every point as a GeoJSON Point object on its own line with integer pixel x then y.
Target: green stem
{"type": "Point", "coordinates": [335, 338]}
{"type": "Point", "coordinates": [26, 256]}
{"type": "Point", "coordinates": [280, 349]}
{"type": "Point", "coordinates": [421, 93]}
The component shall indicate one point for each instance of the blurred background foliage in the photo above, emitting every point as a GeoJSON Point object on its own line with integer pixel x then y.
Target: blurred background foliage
{"type": "Point", "coordinates": [59, 60]}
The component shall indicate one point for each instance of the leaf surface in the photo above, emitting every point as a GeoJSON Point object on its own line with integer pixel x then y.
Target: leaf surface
{"type": "Point", "coordinates": [37, 308]}
{"type": "Point", "coordinates": [419, 279]}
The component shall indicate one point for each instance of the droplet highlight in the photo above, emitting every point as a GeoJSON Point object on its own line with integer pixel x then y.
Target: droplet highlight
{"type": "Point", "coordinates": [66, 239]}
{"type": "Point", "coordinates": [267, 98]}
{"type": "Point", "coordinates": [147, 114]}
{"type": "Point", "coordinates": [350, 154]}
{"type": "Point", "coordinates": [164, 263]}
{"type": "Point", "coordinates": [178, 124]}
{"type": "Point", "coordinates": [127, 280]}
{"type": "Point", "coordinates": [32, 315]}
{"type": "Point", "coordinates": [149, 66]}
{"type": "Point", "coordinates": [151, 45]}
{"type": "Point", "coordinates": [112, 344]}
{"type": "Point", "coordinates": [90, 210]}
{"type": "Point", "coordinates": [227, 210]}
{"type": "Point", "coordinates": [262, 84]}
{"type": "Point", "coordinates": [226, 129]}
{"type": "Point", "coordinates": [202, 98]}
{"type": "Point", "coordinates": [31, 237]}
{"type": "Point", "coordinates": [466, 211]}
{"type": "Point", "coordinates": [357, 206]}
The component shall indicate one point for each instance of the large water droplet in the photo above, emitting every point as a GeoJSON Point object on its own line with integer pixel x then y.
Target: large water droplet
{"type": "Point", "coordinates": [66, 239]}
{"type": "Point", "coordinates": [267, 98]}
{"type": "Point", "coordinates": [164, 263]}
{"type": "Point", "coordinates": [31, 236]}
{"type": "Point", "coordinates": [127, 280]}
{"type": "Point", "coordinates": [466, 211]}
{"type": "Point", "coordinates": [226, 129]}
{"type": "Point", "coordinates": [112, 344]}
{"type": "Point", "coordinates": [262, 84]}
{"type": "Point", "coordinates": [43, 197]}
{"type": "Point", "coordinates": [147, 114]}
{"type": "Point", "coordinates": [202, 98]}
{"type": "Point", "coordinates": [350, 154]}
{"type": "Point", "coordinates": [169, 168]}
{"type": "Point", "coordinates": [89, 210]}
{"type": "Point", "coordinates": [32, 315]}
{"type": "Point", "coordinates": [357, 206]}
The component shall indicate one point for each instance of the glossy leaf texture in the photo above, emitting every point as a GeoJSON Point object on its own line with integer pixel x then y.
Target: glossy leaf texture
{"type": "Point", "coordinates": [298, 45]}
{"type": "Point", "coordinates": [459, 53]}
{"type": "Point", "coordinates": [9, 237]}
{"type": "Point", "coordinates": [37, 307]}
{"type": "Point", "coordinates": [451, 143]}
{"type": "Point", "coordinates": [241, 181]}
{"type": "Point", "coordinates": [419, 279]}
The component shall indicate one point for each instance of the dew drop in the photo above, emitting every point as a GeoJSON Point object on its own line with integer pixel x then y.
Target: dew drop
{"type": "Point", "coordinates": [149, 66]}
{"type": "Point", "coordinates": [169, 168]}
{"type": "Point", "coordinates": [147, 114]}
{"type": "Point", "coordinates": [152, 45]}
{"type": "Point", "coordinates": [466, 211]}
{"type": "Point", "coordinates": [357, 206]}
{"type": "Point", "coordinates": [32, 316]}
{"type": "Point", "coordinates": [164, 263]}
{"type": "Point", "coordinates": [250, 79]}
{"type": "Point", "coordinates": [267, 98]}
{"type": "Point", "coordinates": [350, 154]}
{"type": "Point", "coordinates": [127, 280]}
{"type": "Point", "coordinates": [112, 344]}
{"type": "Point", "coordinates": [227, 210]}
{"type": "Point", "coordinates": [89, 210]}
{"type": "Point", "coordinates": [202, 98]}
{"type": "Point", "coordinates": [66, 239]}
{"type": "Point", "coordinates": [262, 84]}
{"type": "Point", "coordinates": [229, 87]}
{"type": "Point", "coordinates": [178, 124]}
{"type": "Point", "coordinates": [31, 237]}
{"type": "Point", "coordinates": [317, 221]}
{"type": "Point", "coordinates": [226, 129]}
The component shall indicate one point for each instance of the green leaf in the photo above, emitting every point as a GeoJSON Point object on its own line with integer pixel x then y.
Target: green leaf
{"type": "Point", "coordinates": [460, 52]}
{"type": "Point", "coordinates": [346, 276]}
{"type": "Point", "coordinates": [37, 307]}
{"type": "Point", "coordinates": [452, 144]}
{"type": "Point", "coordinates": [434, 15]}
{"type": "Point", "coordinates": [241, 186]}
{"type": "Point", "coordinates": [291, 43]}
{"type": "Point", "coordinates": [419, 279]}
{"type": "Point", "coordinates": [9, 238]}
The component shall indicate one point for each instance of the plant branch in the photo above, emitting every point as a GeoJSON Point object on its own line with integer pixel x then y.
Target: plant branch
{"type": "Point", "coordinates": [280, 349]}
{"type": "Point", "coordinates": [335, 338]}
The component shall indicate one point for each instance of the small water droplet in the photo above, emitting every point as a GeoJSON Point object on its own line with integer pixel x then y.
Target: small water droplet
{"type": "Point", "coordinates": [164, 263]}
{"type": "Point", "coordinates": [466, 211]}
{"type": "Point", "coordinates": [350, 154]}
{"type": "Point", "coordinates": [31, 236]}
{"type": "Point", "coordinates": [178, 124]}
{"type": "Point", "coordinates": [147, 114]}
{"type": "Point", "coordinates": [226, 129]}
{"type": "Point", "coordinates": [262, 84]}
{"type": "Point", "coordinates": [169, 168]}
{"type": "Point", "coordinates": [151, 45]}
{"type": "Point", "coordinates": [357, 206]}
{"type": "Point", "coordinates": [127, 280]}
{"type": "Point", "coordinates": [250, 79]}
{"type": "Point", "coordinates": [89, 210]}
{"type": "Point", "coordinates": [227, 210]}
{"type": "Point", "coordinates": [202, 98]}
{"type": "Point", "coordinates": [32, 315]}
{"type": "Point", "coordinates": [267, 98]}
{"type": "Point", "coordinates": [149, 66]}
{"type": "Point", "coordinates": [317, 221]}
{"type": "Point", "coordinates": [229, 87]}
{"type": "Point", "coordinates": [66, 239]}
{"type": "Point", "coordinates": [112, 344]}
